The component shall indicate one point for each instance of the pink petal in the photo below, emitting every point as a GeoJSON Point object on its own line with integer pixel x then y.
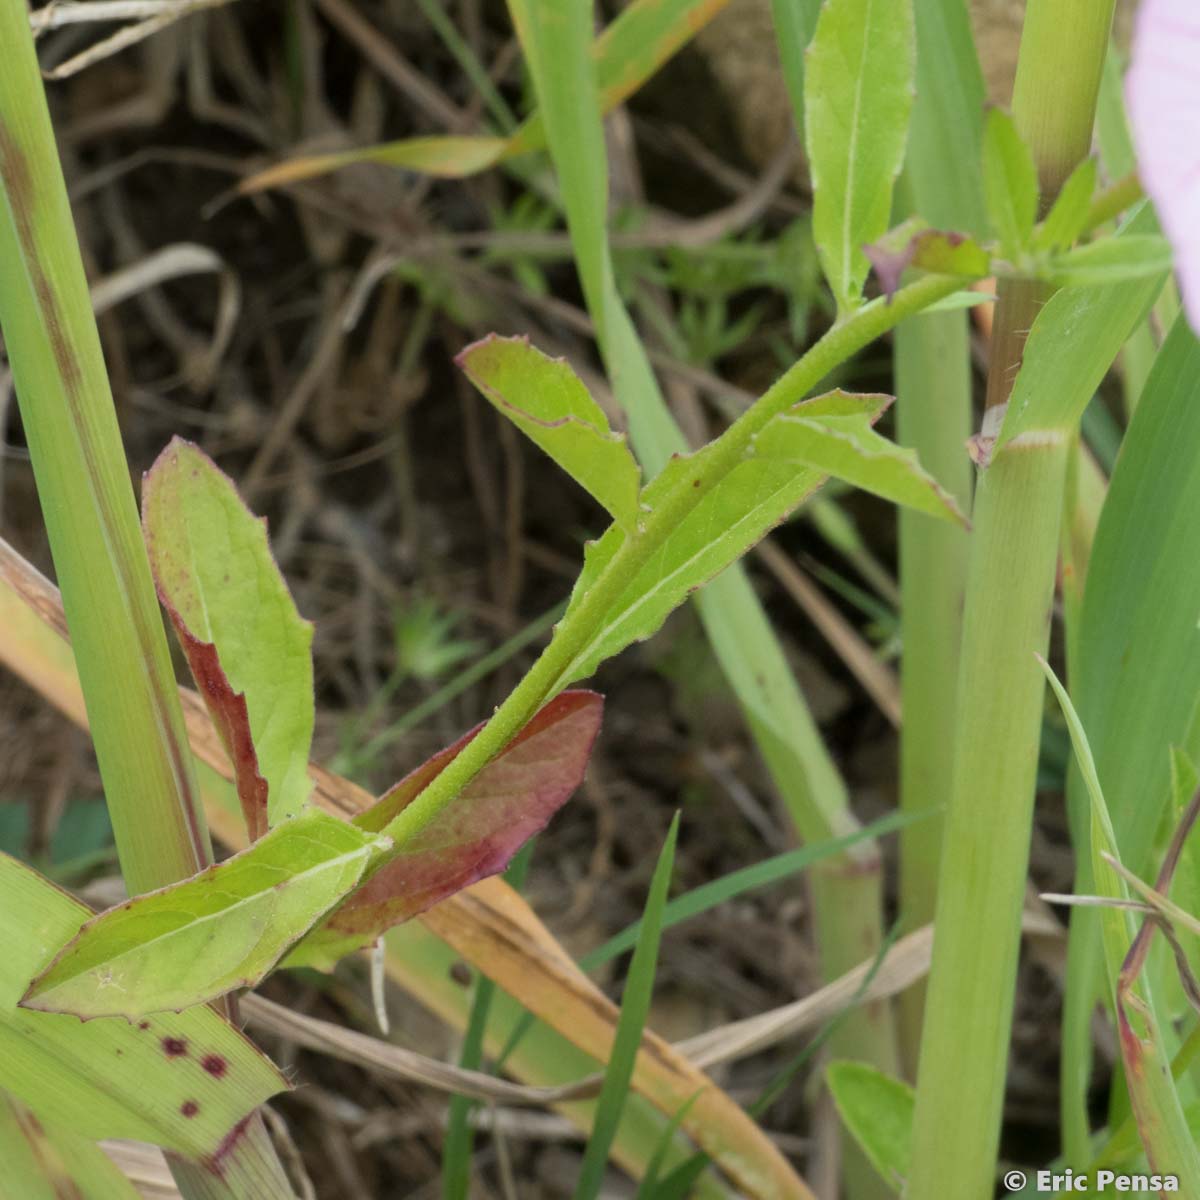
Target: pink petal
{"type": "Point", "coordinates": [1162, 91]}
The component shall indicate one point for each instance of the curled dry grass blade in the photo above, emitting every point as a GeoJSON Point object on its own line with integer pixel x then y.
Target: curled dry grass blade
{"type": "Point", "coordinates": [489, 925]}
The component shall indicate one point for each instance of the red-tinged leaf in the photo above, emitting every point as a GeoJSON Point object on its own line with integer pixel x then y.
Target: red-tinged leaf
{"type": "Point", "coordinates": [913, 244]}
{"type": "Point", "coordinates": [247, 646]}
{"type": "Point", "coordinates": [506, 804]}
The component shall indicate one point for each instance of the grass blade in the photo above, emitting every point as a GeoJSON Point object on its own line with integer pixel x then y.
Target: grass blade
{"type": "Point", "coordinates": [635, 1006]}
{"type": "Point", "coordinates": [47, 1161]}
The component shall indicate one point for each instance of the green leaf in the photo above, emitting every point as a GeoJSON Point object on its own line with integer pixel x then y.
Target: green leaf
{"type": "Point", "coordinates": [1010, 183]}
{"type": "Point", "coordinates": [548, 402]}
{"type": "Point", "coordinates": [45, 1160]}
{"type": "Point", "coordinates": [849, 449]}
{"type": "Point", "coordinates": [222, 929]}
{"type": "Point", "coordinates": [635, 1006]}
{"type": "Point", "coordinates": [858, 94]}
{"type": "Point", "coordinates": [182, 1081]}
{"type": "Point", "coordinates": [733, 513]}
{"type": "Point", "coordinates": [1067, 217]}
{"type": "Point", "coordinates": [878, 1111]}
{"type": "Point", "coordinates": [248, 648]}
{"type": "Point", "coordinates": [1112, 260]}
{"type": "Point", "coordinates": [506, 804]}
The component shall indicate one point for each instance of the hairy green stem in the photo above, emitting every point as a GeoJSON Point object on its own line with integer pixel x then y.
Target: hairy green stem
{"type": "Point", "coordinates": [553, 668]}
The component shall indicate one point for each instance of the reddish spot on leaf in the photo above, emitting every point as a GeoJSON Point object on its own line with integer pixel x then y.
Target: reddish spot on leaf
{"type": "Point", "coordinates": [174, 1047]}
{"type": "Point", "coordinates": [506, 804]}
{"type": "Point", "coordinates": [143, 1024]}
{"type": "Point", "coordinates": [215, 1065]}
{"type": "Point", "coordinates": [189, 1108]}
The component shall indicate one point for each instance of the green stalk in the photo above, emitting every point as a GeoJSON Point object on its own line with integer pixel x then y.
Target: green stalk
{"type": "Point", "coordinates": [83, 482]}
{"type": "Point", "coordinates": [964, 1050]}
{"type": "Point", "coordinates": [1063, 47]}
{"type": "Point", "coordinates": [981, 889]}
{"type": "Point", "coordinates": [95, 536]}
{"type": "Point", "coordinates": [933, 416]}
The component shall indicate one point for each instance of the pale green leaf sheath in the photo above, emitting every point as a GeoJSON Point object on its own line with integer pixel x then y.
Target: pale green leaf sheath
{"type": "Point", "coordinates": [858, 92]}
{"type": "Point", "coordinates": [183, 1081]}
{"type": "Point", "coordinates": [248, 648]}
{"type": "Point", "coordinates": [548, 402]}
{"type": "Point", "coordinates": [222, 929]}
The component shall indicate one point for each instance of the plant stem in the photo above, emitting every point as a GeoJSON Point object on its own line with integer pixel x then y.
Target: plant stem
{"type": "Point", "coordinates": [964, 1051]}
{"type": "Point", "coordinates": [969, 1003]}
{"type": "Point", "coordinates": [933, 415]}
{"type": "Point", "coordinates": [95, 537]}
{"type": "Point", "coordinates": [83, 482]}
{"type": "Point", "coordinates": [1061, 61]}
{"type": "Point", "coordinates": [553, 668]}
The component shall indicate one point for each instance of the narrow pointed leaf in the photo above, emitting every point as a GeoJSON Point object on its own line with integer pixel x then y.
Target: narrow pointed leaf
{"type": "Point", "coordinates": [505, 805]}
{"type": "Point", "coordinates": [1153, 1096]}
{"type": "Point", "coordinates": [1067, 217]}
{"type": "Point", "coordinates": [734, 512]}
{"type": "Point", "coordinates": [548, 402]}
{"type": "Point", "coordinates": [248, 648]}
{"type": "Point", "coordinates": [635, 1007]}
{"type": "Point", "coordinates": [858, 93]}
{"type": "Point", "coordinates": [182, 1081]}
{"type": "Point", "coordinates": [849, 449]}
{"type": "Point", "coordinates": [222, 929]}
{"type": "Point", "coordinates": [44, 1160]}
{"type": "Point", "coordinates": [1010, 183]}
{"type": "Point", "coordinates": [878, 1111]}
{"type": "Point", "coordinates": [1112, 260]}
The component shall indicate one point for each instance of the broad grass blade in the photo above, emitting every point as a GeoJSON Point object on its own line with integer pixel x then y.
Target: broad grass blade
{"type": "Point", "coordinates": [182, 1081]}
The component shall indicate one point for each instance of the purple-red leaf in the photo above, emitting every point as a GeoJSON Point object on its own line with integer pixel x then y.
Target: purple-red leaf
{"type": "Point", "coordinates": [506, 804]}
